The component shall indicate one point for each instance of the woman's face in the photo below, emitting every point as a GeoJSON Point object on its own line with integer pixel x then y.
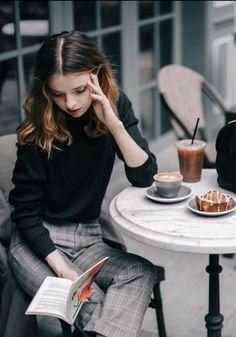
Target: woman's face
{"type": "Point", "coordinates": [71, 93]}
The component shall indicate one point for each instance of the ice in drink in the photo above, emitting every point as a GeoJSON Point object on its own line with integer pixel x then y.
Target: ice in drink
{"type": "Point", "coordinates": [191, 159]}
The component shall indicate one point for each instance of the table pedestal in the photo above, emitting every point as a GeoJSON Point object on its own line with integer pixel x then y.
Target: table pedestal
{"type": "Point", "coordinates": [214, 319]}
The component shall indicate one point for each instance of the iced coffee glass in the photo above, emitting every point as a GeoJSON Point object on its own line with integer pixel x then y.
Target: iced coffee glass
{"type": "Point", "coordinates": [191, 159]}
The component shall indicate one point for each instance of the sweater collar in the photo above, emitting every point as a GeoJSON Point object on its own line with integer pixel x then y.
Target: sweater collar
{"type": "Point", "coordinates": [77, 124]}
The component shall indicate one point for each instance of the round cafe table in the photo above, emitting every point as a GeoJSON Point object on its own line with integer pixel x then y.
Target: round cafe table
{"type": "Point", "coordinates": [175, 227]}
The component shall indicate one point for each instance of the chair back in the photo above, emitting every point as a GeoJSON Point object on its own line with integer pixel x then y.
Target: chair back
{"type": "Point", "coordinates": [182, 91]}
{"type": "Point", "coordinates": [180, 88]}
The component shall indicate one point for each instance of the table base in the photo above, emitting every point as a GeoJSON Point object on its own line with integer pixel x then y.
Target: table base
{"type": "Point", "coordinates": [214, 319]}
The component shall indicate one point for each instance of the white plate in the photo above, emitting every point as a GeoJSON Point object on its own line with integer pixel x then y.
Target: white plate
{"type": "Point", "coordinates": [184, 193]}
{"type": "Point", "coordinates": [193, 207]}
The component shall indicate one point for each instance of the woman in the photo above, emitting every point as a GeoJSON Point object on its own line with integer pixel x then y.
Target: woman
{"type": "Point", "coordinates": [77, 120]}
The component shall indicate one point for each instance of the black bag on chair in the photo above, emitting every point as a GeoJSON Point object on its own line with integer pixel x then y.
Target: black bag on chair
{"type": "Point", "coordinates": [226, 156]}
{"type": "Point", "coordinates": [226, 159]}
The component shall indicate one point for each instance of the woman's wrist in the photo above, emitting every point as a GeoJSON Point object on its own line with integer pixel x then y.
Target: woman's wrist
{"type": "Point", "coordinates": [116, 126]}
{"type": "Point", "coordinates": [55, 261]}
{"type": "Point", "coordinates": [60, 266]}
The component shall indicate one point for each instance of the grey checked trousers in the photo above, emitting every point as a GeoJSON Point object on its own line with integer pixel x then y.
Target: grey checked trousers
{"type": "Point", "coordinates": [122, 289]}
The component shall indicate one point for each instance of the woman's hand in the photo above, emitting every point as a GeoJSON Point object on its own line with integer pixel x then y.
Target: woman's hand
{"type": "Point", "coordinates": [101, 104]}
{"type": "Point", "coordinates": [133, 154]}
{"type": "Point", "coordinates": [60, 266]}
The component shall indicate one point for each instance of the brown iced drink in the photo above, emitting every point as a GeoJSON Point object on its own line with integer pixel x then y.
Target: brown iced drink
{"type": "Point", "coordinates": [191, 159]}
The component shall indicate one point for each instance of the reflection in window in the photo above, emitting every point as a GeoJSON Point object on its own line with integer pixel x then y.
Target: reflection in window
{"type": "Point", "coordinates": [34, 27]}
{"type": "Point", "coordinates": [7, 39]}
{"type": "Point", "coordinates": [111, 48]}
{"type": "Point", "coordinates": [9, 111]}
{"type": "Point", "coordinates": [146, 9]}
{"type": "Point", "coordinates": [166, 42]}
{"type": "Point", "coordinates": [146, 112]}
{"type": "Point", "coordinates": [85, 15]}
{"type": "Point", "coordinates": [110, 13]}
{"type": "Point", "coordinates": [146, 57]}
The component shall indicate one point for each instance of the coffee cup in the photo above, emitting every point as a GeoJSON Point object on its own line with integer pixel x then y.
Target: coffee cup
{"type": "Point", "coordinates": [191, 159]}
{"type": "Point", "coordinates": [168, 183]}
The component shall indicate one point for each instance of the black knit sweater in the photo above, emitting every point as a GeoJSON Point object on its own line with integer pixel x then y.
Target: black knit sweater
{"type": "Point", "coordinates": [70, 185]}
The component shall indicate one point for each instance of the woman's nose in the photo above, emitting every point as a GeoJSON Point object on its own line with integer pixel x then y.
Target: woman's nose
{"type": "Point", "coordinates": [71, 102]}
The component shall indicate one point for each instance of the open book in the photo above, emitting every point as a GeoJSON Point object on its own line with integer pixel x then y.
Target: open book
{"type": "Point", "coordinates": [63, 298]}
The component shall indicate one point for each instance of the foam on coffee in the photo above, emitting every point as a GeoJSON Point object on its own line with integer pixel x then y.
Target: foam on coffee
{"type": "Point", "coordinates": [168, 176]}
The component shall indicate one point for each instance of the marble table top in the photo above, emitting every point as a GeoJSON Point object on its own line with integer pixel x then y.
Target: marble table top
{"type": "Point", "coordinates": [174, 226]}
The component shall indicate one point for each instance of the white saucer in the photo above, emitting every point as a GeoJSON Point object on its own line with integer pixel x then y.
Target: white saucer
{"type": "Point", "coordinates": [183, 193]}
{"type": "Point", "coordinates": [193, 207]}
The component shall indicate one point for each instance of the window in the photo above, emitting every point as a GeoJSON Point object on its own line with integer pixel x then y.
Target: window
{"type": "Point", "coordinates": [24, 25]}
{"type": "Point", "coordinates": [155, 51]}
{"type": "Point", "coordinates": [102, 20]}
{"type": "Point", "coordinates": [138, 43]}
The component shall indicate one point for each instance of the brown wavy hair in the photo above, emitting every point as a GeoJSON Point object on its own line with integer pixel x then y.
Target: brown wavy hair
{"type": "Point", "coordinates": [64, 53]}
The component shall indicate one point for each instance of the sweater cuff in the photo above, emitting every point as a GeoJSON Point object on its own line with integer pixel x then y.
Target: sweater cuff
{"type": "Point", "coordinates": [44, 246]}
{"type": "Point", "coordinates": [39, 240]}
{"type": "Point", "coordinates": [142, 176]}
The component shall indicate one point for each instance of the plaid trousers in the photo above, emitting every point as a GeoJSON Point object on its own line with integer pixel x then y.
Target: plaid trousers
{"type": "Point", "coordinates": [121, 291]}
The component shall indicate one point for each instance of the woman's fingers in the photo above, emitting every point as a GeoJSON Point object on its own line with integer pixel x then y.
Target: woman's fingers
{"type": "Point", "coordinates": [94, 83]}
{"type": "Point", "coordinates": [98, 97]}
{"type": "Point", "coordinates": [93, 87]}
{"type": "Point", "coordinates": [94, 79]}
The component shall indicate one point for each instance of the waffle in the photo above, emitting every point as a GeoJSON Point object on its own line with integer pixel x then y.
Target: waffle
{"type": "Point", "coordinates": [214, 201]}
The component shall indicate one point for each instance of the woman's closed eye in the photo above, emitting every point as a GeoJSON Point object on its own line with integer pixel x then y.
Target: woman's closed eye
{"type": "Point", "coordinates": [56, 94]}
{"type": "Point", "coordinates": [79, 91]}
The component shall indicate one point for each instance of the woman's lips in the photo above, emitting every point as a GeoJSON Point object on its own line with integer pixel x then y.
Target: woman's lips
{"type": "Point", "coordinates": [73, 112]}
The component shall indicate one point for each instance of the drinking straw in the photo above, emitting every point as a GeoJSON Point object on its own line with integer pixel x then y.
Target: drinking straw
{"type": "Point", "coordinates": [195, 130]}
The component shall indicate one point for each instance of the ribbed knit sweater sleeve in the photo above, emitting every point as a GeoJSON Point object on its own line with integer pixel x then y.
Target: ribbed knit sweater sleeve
{"type": "Point", "coordinates": [141, 176]}
{"type": "Point", "coordinates": [27, 199]}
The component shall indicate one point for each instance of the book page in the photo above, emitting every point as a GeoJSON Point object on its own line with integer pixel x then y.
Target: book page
{"type": "Point", "coordinates": [51, 298]}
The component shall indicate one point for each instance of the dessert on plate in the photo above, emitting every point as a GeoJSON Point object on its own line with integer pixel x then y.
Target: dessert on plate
{"type": "Point", "coordinates": [214, 201]}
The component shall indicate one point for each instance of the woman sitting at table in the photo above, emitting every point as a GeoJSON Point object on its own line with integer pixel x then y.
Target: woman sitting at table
{"type": "Point", "coordinates": [77, 121]}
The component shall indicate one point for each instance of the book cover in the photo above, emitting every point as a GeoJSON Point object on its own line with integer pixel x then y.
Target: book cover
{"type": "Point", "coordinates": [63, 298]}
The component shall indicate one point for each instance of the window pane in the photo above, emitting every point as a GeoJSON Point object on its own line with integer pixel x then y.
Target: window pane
{"type": "Point", "coordinates": [9, 110]}
{"type": "Point", "coordinates": [110, 13]}
{"type": "Point", "coordinates": [28, 62]}
{"type": "Point", "coordinates": [34, 25]}
{"type": "Point", "coordinates": [147, 113]}
{"type": "Point", "coordinates": [85, 15]}
{"type": "Point", "coordinates": [7, 37]}
{"type": "Point", "coordinates": [166, 43]}
{"type": "Point", "coordinates": [111, 47]}
{"type": "Point", "coordinates": [146, 61]}
{"type": "Point", "coordinates": [146, 9]}
{"type": "Point", "coordinates": [165, 6]}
